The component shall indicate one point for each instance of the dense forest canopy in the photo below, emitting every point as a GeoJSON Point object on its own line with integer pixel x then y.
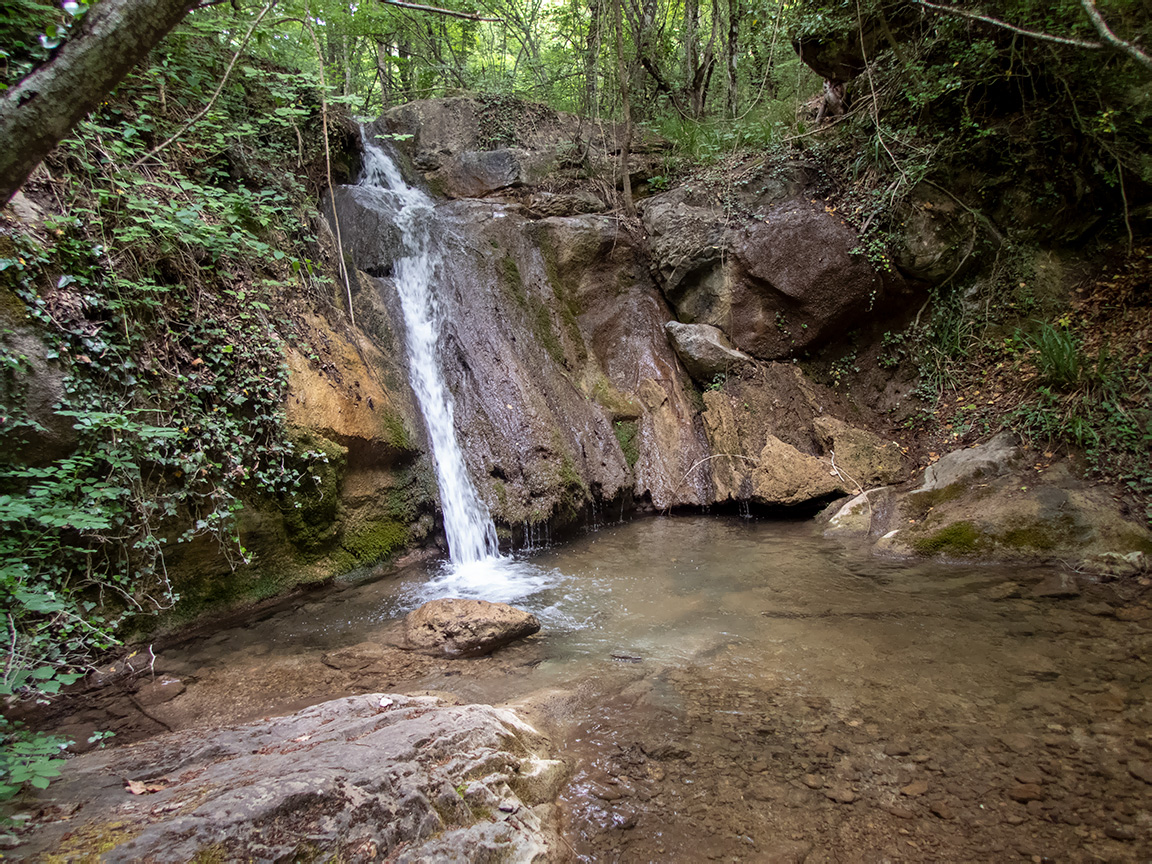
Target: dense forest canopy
{"type": "Point", "coordinates": [177, 184]}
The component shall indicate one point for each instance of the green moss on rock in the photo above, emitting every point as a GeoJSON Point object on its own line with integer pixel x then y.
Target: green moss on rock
{"type": "Point", "coordinates": [959, 538]}
{"type": "Point", "coordinates": [371, 543]}
{"type": "Point", "coordinates": [626, 433]}
{"type": "Point", "coordinates": [311, 513]}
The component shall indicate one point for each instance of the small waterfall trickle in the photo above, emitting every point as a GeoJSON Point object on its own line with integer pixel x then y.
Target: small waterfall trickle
{"type": "Point", "coordinates": [467, 523]}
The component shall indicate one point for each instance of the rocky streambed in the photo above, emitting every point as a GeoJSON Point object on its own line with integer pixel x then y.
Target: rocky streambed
{"type": "Point", "coordinates": [702, 689]}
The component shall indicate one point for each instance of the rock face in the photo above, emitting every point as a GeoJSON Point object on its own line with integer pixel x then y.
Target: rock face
{"type": "Point", "coordinates": [704, 350]}
{"type": "Point", "coordinates": [369, 777]}
{"type": "Point", "coordinates": [791, 281]}
{"type": "Point", "coordinates": [471, 147]}
{"type": "Point", "coordinates": [774, 444]}
{"type": "Point", "coordinates": [466, 628]}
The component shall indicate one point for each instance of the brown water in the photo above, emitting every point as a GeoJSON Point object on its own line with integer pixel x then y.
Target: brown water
{"type": "Point", "coordinates": [730, 689]}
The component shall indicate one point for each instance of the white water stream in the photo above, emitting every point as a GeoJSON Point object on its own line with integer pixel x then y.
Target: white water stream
{"type": "Point", "coordinates": [467, 523]}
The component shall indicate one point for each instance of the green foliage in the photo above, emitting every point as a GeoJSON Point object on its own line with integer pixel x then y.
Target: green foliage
{"type": "Point", "coordinates": [153, 296]}
{"type": "Point", "coordinates": [31, 758]}
{"type": "Point", "coordinates": [1058, 356]}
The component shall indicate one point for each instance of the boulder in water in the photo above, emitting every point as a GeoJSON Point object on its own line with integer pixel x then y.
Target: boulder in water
{"type": "Point", "coordinates": [466, 628]}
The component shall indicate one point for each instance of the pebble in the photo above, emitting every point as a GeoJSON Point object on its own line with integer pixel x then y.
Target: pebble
{"type": "Point", "coordinates": [1140, 770]}
{"type": "Point", "coordinates": [1056, 587]}
{"type": "Point", "coordinates": [813, 782]}
{"type": "Point", "coordinates": [1024, 792]}
{"type": "Point", "coordinates": [840, 794]}
{"type": "Point", "coordinates": [915, 789]}
{"type": "Point", "coordinates": [1120, 832]}
{"type": "Point", "coordinates": [897, 748]}
{"type": "Point", "coordinates": [941, 809]}
{"type": "Point", "coordinates": [1029, 777]}
{"type": "Point", "coordinates": [899, 812]}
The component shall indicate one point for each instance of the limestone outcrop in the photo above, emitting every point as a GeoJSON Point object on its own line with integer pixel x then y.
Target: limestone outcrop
{"type": "Point", "coordinates": [368, 777]}
{"type": "Point", "coordinates": [997, 501]}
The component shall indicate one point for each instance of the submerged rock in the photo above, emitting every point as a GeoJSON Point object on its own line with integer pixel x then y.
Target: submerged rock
{"type": "Point", "coordinates": [364, 778]}
{"type": "Point", "coordinates": [466, 628]}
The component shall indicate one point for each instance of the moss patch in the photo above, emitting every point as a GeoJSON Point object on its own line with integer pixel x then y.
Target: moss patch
{"type": "Point", "coordinates": [371, 543]}
{"type": "Point", "coordinates": [626, 432]}
{"type": "Point", "coordinates": [311, 514]}
{"type": "Point", "coordinates": [919, 503]}
{"type": "Point", "coordinates": [959, 538]}
{"type": "Point", "coordinates": [90, 842]}
{"type": "Point", "coordinates": [1033, 534]}
{"type": "Point", "coordinates": [618, 406]}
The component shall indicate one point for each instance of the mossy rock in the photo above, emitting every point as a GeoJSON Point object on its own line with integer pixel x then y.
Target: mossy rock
{"type": "Point", "coordinates": [371, 544]}
{"type": "Point", "coordinates": [311, 513]}
{"type": "Point", "coordinates": [958, 539]}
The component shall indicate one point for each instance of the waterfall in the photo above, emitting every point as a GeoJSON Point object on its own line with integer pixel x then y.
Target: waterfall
{"type": "Point", "coordinates": [471, 532]}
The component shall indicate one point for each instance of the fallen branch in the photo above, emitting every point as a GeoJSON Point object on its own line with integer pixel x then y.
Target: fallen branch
{"type": "Point", "coordinates": [420, 7]}
{"type": "Point", "coordinates": [1111, 38]}
{"type": "Point", "coordinates": [996, 22]}
{"type": "Point", "coordinates": [188, 124]}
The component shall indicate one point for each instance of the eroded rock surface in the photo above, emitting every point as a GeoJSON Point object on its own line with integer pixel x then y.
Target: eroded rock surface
{"type": "Point", "coordinates": [704, 350]}
{"type": "Point", "coordinates": [364, 778]}
{"type": "Point", "coordinates": [466, 628]}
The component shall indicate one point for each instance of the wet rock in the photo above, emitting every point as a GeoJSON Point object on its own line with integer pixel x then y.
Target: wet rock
{"type": "Point", "coordinates": [387, 773]}
{"type": "Point", "coordinates": [466, 628]}
{"type": "Point", "coordinates": [860, 516]}
{"type": "Point", "coordinates": [1005, 591]}
{"type": "Point", "coordinates": [704, 350]}
{"type": "Point", "coordinates": [1058, 586]}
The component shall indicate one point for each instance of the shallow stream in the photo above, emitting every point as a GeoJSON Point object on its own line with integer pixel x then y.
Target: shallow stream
{"type": "Point", "coordinates": [734, 689]}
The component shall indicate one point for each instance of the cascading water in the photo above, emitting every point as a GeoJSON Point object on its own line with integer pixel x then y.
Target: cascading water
{"type": "Point", "coordinates": [467, 523]}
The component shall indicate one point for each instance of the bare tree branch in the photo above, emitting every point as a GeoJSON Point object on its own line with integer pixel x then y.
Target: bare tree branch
{"type": "Point", "coordinates": [1111, 38]}
{"type": "Point", "coordinates": [996, 22]}
{"type": "Point", "coordinates": [38, 112]}
{"type": "Point", "coordinates": [420, 7]}
{"type": "Point", "coordinates": [224, 80]}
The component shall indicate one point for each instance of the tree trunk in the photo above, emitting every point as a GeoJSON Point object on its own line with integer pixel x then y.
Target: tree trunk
{"type": "Point", "coordinates": [731, 51]}
{"type": "Point", "coordinates": [41, 110]}
{"type": "Point", "coordinates": [592, 60]}
{"type": "Point", "coordinates": [691, 20]}
{"type": "Point", "coordinates": [626, 108]}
